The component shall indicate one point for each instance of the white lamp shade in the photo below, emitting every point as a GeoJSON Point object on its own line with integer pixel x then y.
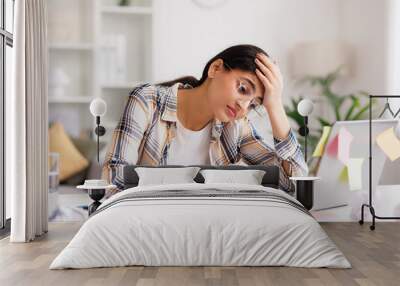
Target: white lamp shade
{"type": "Point", "coordinates": [305, 107]}
{"type": "Point", "coordinates": [98, 107]}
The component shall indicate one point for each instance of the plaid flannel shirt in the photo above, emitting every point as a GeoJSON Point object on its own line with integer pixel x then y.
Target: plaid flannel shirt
{"type": "Point", "coordinates": [148, 124]}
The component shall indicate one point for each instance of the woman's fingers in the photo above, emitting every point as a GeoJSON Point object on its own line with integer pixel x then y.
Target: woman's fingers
{"type": "Point", "coordinates": [266, 81]}
{"type": "Point", "coordinates": [271, 66]}
{"type": "Point", "coordinates": [264, 69]}
{"type": "Point", "coordinates": [267, 62]}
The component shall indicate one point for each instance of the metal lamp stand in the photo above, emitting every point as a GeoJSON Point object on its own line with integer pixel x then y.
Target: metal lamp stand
{"type": "Point", "coordinates": [100, 131]}
{"type": "Point", "coordinates": [303, 131]}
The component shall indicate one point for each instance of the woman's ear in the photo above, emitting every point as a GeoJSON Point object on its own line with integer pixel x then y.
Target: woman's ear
{"type": "Point", "coordinates": [215, 67]}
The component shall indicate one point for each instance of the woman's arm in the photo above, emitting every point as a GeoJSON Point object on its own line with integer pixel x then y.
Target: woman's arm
{"type": "Point", "coordinates": [286, 152]}
{"type": "Point", "coordinates": [280, 128]}
{"type": "Point", "coordinates": [270, 75]}
{"type": "Point", "coordinates": [127, 137]}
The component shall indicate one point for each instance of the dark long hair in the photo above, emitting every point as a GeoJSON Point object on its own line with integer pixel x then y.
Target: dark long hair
{"type": "Point", "coordinates": [236, 57]}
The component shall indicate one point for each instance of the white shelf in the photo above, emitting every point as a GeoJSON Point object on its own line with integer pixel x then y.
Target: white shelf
{"type": "Point", "coordinates": [70, 99]}
{"type": "Point", "coordinates": [132, 10]}
{"type": "Point", "coordinates": [89, 23]}
{"type": "Point", "coordinates": [71, 46]}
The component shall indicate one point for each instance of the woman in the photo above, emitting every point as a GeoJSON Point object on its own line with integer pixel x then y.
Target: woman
{"type": "Point", "coordinates": [202, 122]}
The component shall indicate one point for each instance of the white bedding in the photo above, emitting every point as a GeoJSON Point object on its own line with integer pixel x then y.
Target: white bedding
{"type": "Point", "coordinates": [182, 231]}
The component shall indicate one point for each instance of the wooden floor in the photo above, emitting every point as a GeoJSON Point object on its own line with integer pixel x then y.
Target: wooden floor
{"type": "Point", "coordinates": [375, 257]}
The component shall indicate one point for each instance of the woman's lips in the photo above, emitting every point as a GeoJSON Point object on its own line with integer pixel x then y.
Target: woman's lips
{"type": "Point", "coordinates": [231, 112]}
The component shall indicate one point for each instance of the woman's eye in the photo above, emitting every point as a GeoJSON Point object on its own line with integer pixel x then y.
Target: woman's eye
{"type": "Point", "coordinates": [242, 88]}
{"type": "Point", "coordinates": [255, 102]}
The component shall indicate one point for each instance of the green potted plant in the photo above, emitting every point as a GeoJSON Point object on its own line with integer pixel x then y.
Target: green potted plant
{"type": "Point", "coordinates": [353, 106]}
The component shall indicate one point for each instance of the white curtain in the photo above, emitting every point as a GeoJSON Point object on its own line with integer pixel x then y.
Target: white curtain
{"type": "Point", "coordinates": [27, 117]}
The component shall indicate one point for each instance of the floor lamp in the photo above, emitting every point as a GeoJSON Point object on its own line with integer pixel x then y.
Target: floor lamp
{"type": "Point", "coordinates": [305, 108]}
{"type": "Point", "coordinates": [98, 108]}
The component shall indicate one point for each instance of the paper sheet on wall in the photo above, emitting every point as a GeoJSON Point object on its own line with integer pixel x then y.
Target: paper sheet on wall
{"type": "Point", "coordinates": [354, 170]}
{"type": "Point", "coordinates": [345, 139]}
{"type": "Point", "coordinates": [389, 143]}
{"type": "Point", "coordinates": [339, 147]}
{"type": "Point", "coordinates": [319, 149]}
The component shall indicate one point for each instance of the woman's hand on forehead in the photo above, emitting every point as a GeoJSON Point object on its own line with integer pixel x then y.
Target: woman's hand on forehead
{"type": "Point", "coordinates": [270, 76]}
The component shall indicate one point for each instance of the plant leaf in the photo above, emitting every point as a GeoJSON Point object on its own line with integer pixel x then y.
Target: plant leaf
{"type": "Point", "coordinates": [354, 105]}
{"type": "Point", "coordinates": [359, 114]}
{"type": "Point", "coordinates": [324, 122]}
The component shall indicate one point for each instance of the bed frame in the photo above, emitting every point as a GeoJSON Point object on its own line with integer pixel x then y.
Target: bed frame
{"type": "Point", "coordinates": [270, 179]}
{"type": "Point", "coordinates": [131, 179]}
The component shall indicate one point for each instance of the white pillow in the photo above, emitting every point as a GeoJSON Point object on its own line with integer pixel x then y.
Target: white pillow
{"type": "Point", "coordinates": [249, 177]}
{"type": "Point", "coordinates": [163, 176]}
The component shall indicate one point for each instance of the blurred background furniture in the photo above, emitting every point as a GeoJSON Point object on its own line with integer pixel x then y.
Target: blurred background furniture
{"type": "Point", "coordinates": [76, 161]}
{"type": "Point", "coordinates": [105, 51]}
{"type": "Point", "coordinates": [54, 172]}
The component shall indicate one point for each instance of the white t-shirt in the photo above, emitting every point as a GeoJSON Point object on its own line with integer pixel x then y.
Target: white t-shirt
{"type": "Point", "coordinates": [190, 147]}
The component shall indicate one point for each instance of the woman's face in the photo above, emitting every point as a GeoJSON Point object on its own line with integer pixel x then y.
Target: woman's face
{"type": "Point", "coordinates": [232, 93]}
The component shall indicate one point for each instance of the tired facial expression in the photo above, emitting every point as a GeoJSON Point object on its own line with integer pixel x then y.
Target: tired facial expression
{"type": "Point", "coordinates": [232, 92]}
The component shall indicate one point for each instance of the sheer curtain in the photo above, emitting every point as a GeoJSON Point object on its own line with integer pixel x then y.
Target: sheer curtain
{"type": "Point", "coordinates": [27, 117]}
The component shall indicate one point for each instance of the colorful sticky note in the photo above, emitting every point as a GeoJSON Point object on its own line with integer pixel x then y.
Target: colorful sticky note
{"type": "Point", "coordinates": [319, 150]}
{"type": "Point", "coordinates": [354, 170]}
{"type": "Point", "coordinates": [344, 175]}
{"type": "Point", "coordinates": [333, 146]}
{"type": "Point", "coordinates": [340, 145]}
{"type": "Point", "coordinates": [389, 143]}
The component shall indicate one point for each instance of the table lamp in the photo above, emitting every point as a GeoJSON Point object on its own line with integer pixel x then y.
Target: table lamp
{"type": "Point", "coordinates": [305, 108]}
{"type": "Point", "coordinates": [98, 108]}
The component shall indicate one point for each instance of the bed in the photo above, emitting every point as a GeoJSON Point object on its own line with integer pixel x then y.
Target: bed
{"type": "Point", "coordinates": [201, 224]}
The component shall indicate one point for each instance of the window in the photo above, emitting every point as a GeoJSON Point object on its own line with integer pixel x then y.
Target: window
{"type": "Point", "coordinates": [6, 44]}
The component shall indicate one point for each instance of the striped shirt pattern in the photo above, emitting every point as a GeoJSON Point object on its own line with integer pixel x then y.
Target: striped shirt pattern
{"type": "Point", "coordinates": [148, 125]}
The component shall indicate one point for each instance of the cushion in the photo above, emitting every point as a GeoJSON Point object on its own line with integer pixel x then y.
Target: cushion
{"type": "Point", "coordinates": [249, 177]}
{"type": "Point", "coordinates": [162, 176]}
{"type": "Point", "coordinates": [88, 148]}
{"type": "Point", "coordinates": [71, 160]}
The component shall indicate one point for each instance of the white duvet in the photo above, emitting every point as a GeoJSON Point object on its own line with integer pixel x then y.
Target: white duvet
{"type": "Point", "coordinates": [182, 231]}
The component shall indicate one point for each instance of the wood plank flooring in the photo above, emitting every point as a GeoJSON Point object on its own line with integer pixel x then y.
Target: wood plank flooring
{"type": "Point", "coordinates": [375, 257]}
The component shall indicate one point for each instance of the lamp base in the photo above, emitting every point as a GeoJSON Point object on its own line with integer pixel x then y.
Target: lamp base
{"type": "Point", "coordinates": [100, 130]}
{"type": "Point", "coordinates": [96, 195]}
{"type": "Point", "coordinates": [305, 193]}
{"type": "Point", "coordinates": [303, 131]}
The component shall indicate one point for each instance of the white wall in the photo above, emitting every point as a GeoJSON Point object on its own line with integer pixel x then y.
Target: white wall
{"type": "Point", "coordinates": [364, 25]}
{"type": "Point", "coordinates": [393, 70]}
{"type": "Point", "coordinates": [186, 36]}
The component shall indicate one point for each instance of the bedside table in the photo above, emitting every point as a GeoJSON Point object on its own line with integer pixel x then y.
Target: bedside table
{"type": "Point", "coordinates": [305, 190]}
{"type": "Point", "coordinates": [96, 190]}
